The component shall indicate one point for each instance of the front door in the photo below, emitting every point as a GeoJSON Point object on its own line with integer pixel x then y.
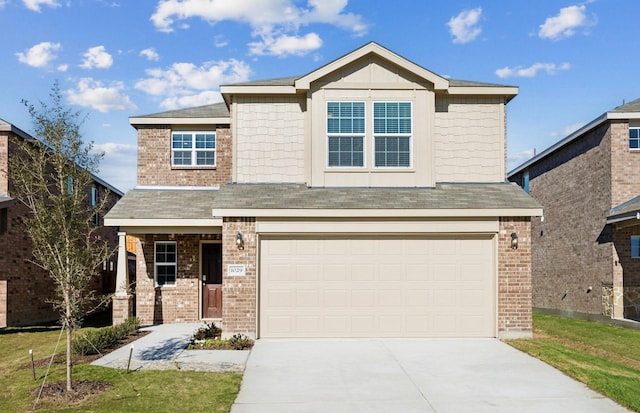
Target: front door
{"type": "Point", "coordinates": [211, 280]}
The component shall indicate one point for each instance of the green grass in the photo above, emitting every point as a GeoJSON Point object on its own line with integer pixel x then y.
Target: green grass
{"type": "Point", "coordinates": [606, 358]}
{"type": "Point", "coordinates": [140, 391]}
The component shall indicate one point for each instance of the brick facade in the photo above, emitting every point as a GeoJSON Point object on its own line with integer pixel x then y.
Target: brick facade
{"type": "Point", "coordinates": [26, 289]}
{"type": "Point", "coordinates": [514, 279]}
{"type": "Point", "coordinates": [154, 159]}
{"type": "Point", "coordinates": [581, 264]}
{"type": "Point", "coordinates": [169, 304]}
{"type": "Point", "coordinates": [239, 294]}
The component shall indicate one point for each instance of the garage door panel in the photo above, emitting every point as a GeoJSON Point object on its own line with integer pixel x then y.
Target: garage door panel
{"type": "Point", "coordinates": [377, 288]}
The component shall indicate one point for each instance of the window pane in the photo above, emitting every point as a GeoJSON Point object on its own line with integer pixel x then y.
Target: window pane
{"type": "Point", "coordinates": [206, 158]}
{"type": "Point", "coordinates": [634, 138]}
{"type": "Point", "coordinates": [345, 117]}
{"type": "Point", "coordinates": [181, 158]}
{"type": "Point", "coordinates": [345, 151]}
{"type": "Point", "coordinates": [205, 141]}
{"type": "Point", "coordinates": [392, 117]}
{"type": "Point", "coordinates": [333, 125]}
{"type": "Point", "coordinates": [392, 151]}
{"type": "Point", "coordinates": [181, 141]}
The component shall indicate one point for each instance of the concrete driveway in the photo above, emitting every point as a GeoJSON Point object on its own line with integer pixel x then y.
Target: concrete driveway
{"type": "Point", "coordinates": [406, 375]}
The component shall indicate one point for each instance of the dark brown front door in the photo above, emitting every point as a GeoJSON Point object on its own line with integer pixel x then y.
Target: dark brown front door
{"type": "Point", "coordinates": [211, 280]}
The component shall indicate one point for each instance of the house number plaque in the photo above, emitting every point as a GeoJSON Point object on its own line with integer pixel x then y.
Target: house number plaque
{"type": "Point", "coordinates": [236, 270]}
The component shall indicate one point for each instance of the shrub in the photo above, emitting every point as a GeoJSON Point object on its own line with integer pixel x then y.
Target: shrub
{"type": "Point", "coordinates": [207, 331]}
{"type": "Point", "coordinates": [240, 342]}
{"type": "Point", "coordinates": [94, 341]}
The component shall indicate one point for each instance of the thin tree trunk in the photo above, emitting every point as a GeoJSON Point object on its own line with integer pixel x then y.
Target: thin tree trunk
{"type": "Point", "coordinates": [69, 364]}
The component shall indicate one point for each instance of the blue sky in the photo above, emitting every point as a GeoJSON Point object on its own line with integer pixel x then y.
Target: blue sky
{"type": "Point", "coordinates": [115, 58]}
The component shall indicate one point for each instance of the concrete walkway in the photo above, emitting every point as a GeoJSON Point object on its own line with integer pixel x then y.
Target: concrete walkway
{"type": "Point", "coordinates": [165, 349]}
{"type": "Point", "coordinates": [407, 375]}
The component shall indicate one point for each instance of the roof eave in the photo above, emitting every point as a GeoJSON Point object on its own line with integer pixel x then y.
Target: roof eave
{"type": "Point", "coordinates": [509, 92]}
{"type": "Point", "coordinates": [134, 121]}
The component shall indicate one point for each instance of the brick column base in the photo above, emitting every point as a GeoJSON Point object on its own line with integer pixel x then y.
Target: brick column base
{"type": "Point", "coordinates": [122, 308]}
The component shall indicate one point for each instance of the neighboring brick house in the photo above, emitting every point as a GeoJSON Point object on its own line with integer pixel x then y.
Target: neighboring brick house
{"type": "Point", "coordinates": [25, 288]}
{"type": "Point", "coordinates": [586, 249]}
{"type": "Point", "coordinates": [366, 198]}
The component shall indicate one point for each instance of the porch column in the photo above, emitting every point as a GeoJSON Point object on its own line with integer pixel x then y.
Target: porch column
{"type": "Point", "coordinates": [122, 300]}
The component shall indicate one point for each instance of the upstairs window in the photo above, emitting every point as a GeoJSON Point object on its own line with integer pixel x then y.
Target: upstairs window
{"type": "Point", "coordinates": [392, 129]}
{"type": "Point", "coordinates": [635, 246]}
{"type": "Point", "coordinates": [634, 138]}
{"type": "Point", "coordinates": [345, 134]}
{"type": "Point", "coordinates": [193, 149]}
{"type": "Point", "coordinates": [94, 202]}
{"type": "Point", "coordinates": [525, 181]}
{"type": "Point", "coordinates": [3, 221]}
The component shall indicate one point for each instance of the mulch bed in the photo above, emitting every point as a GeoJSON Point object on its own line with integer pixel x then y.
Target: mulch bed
{"type": "Point", "coordinates": [56, 392]}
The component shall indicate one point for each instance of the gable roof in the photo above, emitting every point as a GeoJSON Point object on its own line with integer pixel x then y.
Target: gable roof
{"type": "Point", "coordinates": [215, 113]}
{"type": "Point", "coordinates": [629, 110]}
{"type": "Point", "coordinates": [295, 84]}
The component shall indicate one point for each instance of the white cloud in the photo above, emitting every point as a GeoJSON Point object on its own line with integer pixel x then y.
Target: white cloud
{"type": "Point", "coordinates": [531, 71]}
{"type": "Point", "coordinates": [220, 41]}
{"type": "Point", "coordinates": [35, 4]}
{"type": "Point", "coordinates": [565, 23]}
{"type": "Point", "coordinates": [150, 54]}
{"type": "Point", "coordinates": [63, 67]}
{"type": "Point", "coordinates": [186, 83]}
{"type": "Point", "coordinates": [93, 94]}
{"type": "Point", "coordinates": [3, 3]}
{"type": "Point", "coordinates": [204, 98]}
{"type": "Point", "coordinates": [567, 130]}
{"type": "Point", "coordinates": [269, 19]}
{"type": "Point", "coordinates": [286, 45]}
{"type": "Point", "coordinates": [97, 57]}
{"type": "Point", "coordinates": [119, 165]}
{"type": "Point", "coordinates": [39, 55]}
{"type": "Point", "coordinates": [465, 26]}
{"type": "Point", "coordinates": [515, 159]}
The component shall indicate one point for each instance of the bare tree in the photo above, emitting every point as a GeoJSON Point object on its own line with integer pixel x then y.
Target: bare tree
{"type": "Point", "coordinates": [52, 177]}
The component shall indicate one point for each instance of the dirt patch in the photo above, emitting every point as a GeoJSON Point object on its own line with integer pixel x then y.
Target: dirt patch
{"type": "Point", "coordinates": [56, 393]}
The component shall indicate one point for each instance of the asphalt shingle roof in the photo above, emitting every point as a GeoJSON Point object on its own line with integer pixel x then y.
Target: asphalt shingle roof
{"type": "Point", "coordinates": [633, 106]}
{"type": "Point", "coordinates": [216, 110]}
{"type": "Point", "coordinates": [290, 81]}
{"type": "Point", "coordinates": [164, 204]}
{"type": "Point", "coordinates": [443, 196]}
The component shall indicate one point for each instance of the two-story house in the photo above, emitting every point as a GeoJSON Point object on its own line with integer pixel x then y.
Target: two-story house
{"type": "Point", "coordinates": [25, 288]}
{"type": "Point", "coordinates": [586, 248]}
{"type": "Point", "coordinates": [367, 198]}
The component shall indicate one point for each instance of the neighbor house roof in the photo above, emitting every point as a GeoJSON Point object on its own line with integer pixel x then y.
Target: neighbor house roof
{"type": "Point", "coordinates": [626, 211]}
{"type": "Point", "coordinates": [8, 127]}
{"type": "Point", "coordinates": [629, 110]}
{"type": "Point", "coordinates": [443, 200]}
{"type": "Point", "coordinates": [215, 113]}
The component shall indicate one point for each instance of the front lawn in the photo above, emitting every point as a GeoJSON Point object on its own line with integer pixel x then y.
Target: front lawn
{"type": "Point", "coordinates": [140, 391]}
{"type": "Point", "coordinates": [606, 358]}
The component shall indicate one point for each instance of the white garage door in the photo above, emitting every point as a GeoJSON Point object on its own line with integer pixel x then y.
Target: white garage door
{"type": "Point", "coordinates": [377, 288]}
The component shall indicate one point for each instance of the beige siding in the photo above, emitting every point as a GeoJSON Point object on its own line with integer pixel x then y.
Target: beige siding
{"type": "Point", "coordinates": [369, 80]}
{"type": "Point", "coordinates": [270, 139]}
{"type": "Point", "coordinates": [469, 139]}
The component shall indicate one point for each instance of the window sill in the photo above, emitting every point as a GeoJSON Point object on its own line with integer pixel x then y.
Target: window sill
{"type": "Point", "coordinates": [369, 170]}
{"type": "Point", "coordinates": [187, 167]}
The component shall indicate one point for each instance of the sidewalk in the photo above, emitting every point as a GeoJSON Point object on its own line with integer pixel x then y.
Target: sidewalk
{"type": "Point", "coordinates": [165, 349]}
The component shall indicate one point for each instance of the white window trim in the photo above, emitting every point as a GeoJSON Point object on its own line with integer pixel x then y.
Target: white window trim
{"type": "Point", "coordinates": [631, 246]}
{"type": "Point", "coordinates": [156, 264]}
{"type": "Point", "coordinates": [346, 135]}
{"type": "Point", "coordinates": [392, 135]}
{"type": "Point", "coordinates": [629, 138]}
{"type": "Point", "coordinates": [194, 151]}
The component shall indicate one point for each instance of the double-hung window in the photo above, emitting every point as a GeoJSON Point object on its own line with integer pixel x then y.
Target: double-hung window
{"type": "Point", "coordinates": [166, 263]}
{"type": "Point", "coordinates": [392, 129]}
{"type": "Point", "coordinates": [635, 246]}
{"type": "Point", "coordinates": [345, 134]}
{"type": "Point", "coordinates": [634, 138]}
{"type": "Point", "coordinates": [193, 149]}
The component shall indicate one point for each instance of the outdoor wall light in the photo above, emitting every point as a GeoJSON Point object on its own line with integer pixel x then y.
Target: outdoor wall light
{"type": "Point", "coordinates": [239, 241]}
{"type": "Point", "coordinates": [514, 241]}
